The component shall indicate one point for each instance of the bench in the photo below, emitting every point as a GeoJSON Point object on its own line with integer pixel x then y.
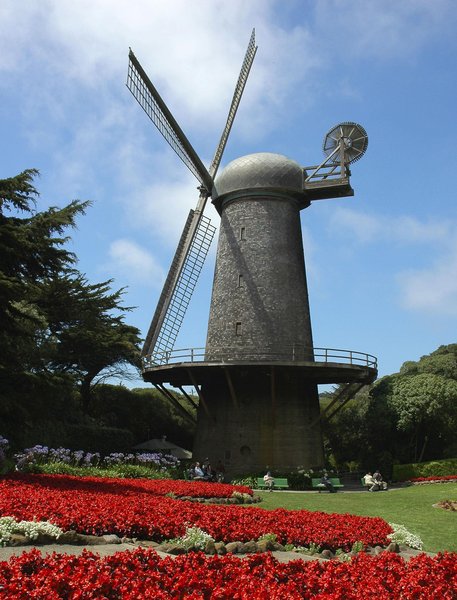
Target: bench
{"type": "Point", "coordinates": [317, 485]}
{"type": "Point", "coordinates": [279, 484]}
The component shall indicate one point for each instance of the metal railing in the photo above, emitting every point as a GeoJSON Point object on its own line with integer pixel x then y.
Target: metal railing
{"type": "Point", "coordinates": [294, 353]}
{"type": "Point", "coordinates": [324, 172]}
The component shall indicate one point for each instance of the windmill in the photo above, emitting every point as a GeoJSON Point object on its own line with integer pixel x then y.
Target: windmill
{"type": "Point", "coordinates": [257, 376]}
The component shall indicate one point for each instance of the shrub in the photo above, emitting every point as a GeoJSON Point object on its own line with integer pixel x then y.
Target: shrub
{"type": "Point", "coordinates": [426, 469]}
{"type": "Point", "coordinates": [134, 472]}
{"type": "Point", "coordinates": [249, 481]}
{"type": "Point", "coordinates": [271, 537]}
{"type": "Point", "coordinates": [299, 480]}
{"type": "Point", "coordinates": [90, 436]}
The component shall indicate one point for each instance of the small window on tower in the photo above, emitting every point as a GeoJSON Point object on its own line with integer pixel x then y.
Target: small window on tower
{"type": "Point", "coordinates": [238, 328]}
{"type": "Point", "coordinates": [240, 280]}
{"type": "Point", "coordinates": [242, 233]}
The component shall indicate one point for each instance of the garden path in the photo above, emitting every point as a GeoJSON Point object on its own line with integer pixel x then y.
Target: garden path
{"type": "Point", "coordinates": [109, 549]}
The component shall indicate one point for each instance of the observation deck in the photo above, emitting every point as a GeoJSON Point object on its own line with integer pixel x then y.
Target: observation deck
{"type": "Point", "coordinates": [191, 366]}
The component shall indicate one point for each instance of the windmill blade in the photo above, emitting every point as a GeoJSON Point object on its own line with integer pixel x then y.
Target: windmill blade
{"type": "Point", "coordinates": [195, 239]}
{"type": "Point", "coordinates": [179, 285]}
{"type": "Point", "coordinates": [151, 102]}
{"type": "Point", "coordinates": [239, 89]}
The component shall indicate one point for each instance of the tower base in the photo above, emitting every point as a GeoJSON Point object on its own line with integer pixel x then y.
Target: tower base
{"type": "Point", "coordinates": [256, 415]}
{"type": "Point", "coordinates": [259, 419]}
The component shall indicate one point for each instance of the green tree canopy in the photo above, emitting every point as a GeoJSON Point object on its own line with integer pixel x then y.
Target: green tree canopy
{"type": "Point", "coordinates": [423, 400]}
{"type": "Point", "coordinates": [86, 333]}
{"type": "Point", "coordinates": [406, 417]}
{"type": "Point", "coordinates": [32, 248]}
{"type": "Point", "coordinates": [442, 361]}
{"type": "Point", "coordinates": [54, 324]}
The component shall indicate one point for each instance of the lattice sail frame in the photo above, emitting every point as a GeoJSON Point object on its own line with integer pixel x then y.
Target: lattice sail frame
{"type": "Point", "coordinates": [183, 290]}
{"type": "Point", "coordinates": [151, 102]}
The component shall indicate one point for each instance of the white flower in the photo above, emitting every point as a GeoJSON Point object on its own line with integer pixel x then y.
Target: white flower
{"type": "Point", "coordinates": [31, 529]}
{"type": "Point", "coordinates": [195, 538]}
{"type": "Point", "coordinates": [401, 535]}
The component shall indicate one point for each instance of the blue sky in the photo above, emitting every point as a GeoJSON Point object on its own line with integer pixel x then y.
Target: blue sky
{"type": "Point", "coordinates": [382, 266]}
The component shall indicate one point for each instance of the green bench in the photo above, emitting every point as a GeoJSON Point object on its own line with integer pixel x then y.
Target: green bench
{"type": "Point", "coordinates": [279, 484]}
{"type": "Point", "coordinates": [317, 485]}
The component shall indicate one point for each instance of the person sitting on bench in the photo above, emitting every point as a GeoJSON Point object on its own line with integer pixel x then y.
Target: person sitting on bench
{"type": "Point", "coordinates": [379, 480]}
{"type": "Point", "coordinates": [269, 481]}
{"type": "Point", "coordinates": [199, 474]}
{"type": "Point", "coordinates": [370, 483]}
{"type": "Point", "coordinates": [328, 484]}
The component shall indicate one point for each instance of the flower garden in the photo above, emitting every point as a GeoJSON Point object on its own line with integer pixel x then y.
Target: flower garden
{"type": "Point", "coordinates": [164, 509]}
{"type": "Point", "coordinates": [143, 509]}
{"type": "Point", "coordinates": [37, 499]}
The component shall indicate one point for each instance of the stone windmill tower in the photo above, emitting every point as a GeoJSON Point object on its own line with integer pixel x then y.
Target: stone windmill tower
{"type": "Point", "coordinates": [257, 377]}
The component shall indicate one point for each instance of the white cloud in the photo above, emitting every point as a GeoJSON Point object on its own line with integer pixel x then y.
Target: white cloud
{"type": "Point", "coordinates": [368, 228]}
{"type": "Point", "coordinates": [411, 230]}
{"type": "Point", "coordinates": [192, 51]}
{"type": "Point", "coordinates": [431, 289]}
{"type": "Point", "coordinates": [135, 263]}
{"type": "Point", "coordinates": [363, 227]}
{"type": "Point", "coordinates": [76, 110]}
{"type": "Point", "coordinates": [434, 289]}
{"type": "Point", "coordinates": [161, 204]}
{"type": "Point", "coordinates": [71, 76]}
{"type": "Point", "coordinates": [383, 30]}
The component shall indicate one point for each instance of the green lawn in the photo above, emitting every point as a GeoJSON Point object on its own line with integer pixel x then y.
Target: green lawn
{"type": "Point", "coordinates": [411, 506]}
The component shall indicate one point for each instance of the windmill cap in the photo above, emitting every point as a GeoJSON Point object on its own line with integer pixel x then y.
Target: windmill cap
{"type": "Point", "coordinates": [262, 170]}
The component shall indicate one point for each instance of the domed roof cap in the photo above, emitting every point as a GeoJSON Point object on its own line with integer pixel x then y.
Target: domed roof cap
{"type": "Point", "coordinates": [261, 170]}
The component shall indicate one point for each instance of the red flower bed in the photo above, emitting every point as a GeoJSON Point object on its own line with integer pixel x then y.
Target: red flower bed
{"type": "Point", "coordinates": [155, 487]}
{"type": "Point", "coordinates": [435, 478]}
{"type": "Point", "coordinates": [130, 508]}
{"type": "Point", "coordinates": [142, 574]}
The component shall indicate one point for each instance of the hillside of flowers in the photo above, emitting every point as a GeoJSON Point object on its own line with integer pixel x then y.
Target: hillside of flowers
{"type": "Point", "coordinates": [143, 574]}
{"type": "Point", "coordinates": [139, 508]}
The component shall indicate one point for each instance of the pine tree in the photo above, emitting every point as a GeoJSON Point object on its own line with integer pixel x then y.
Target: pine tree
{"type": "Point", "coordinates": [54, 324]}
